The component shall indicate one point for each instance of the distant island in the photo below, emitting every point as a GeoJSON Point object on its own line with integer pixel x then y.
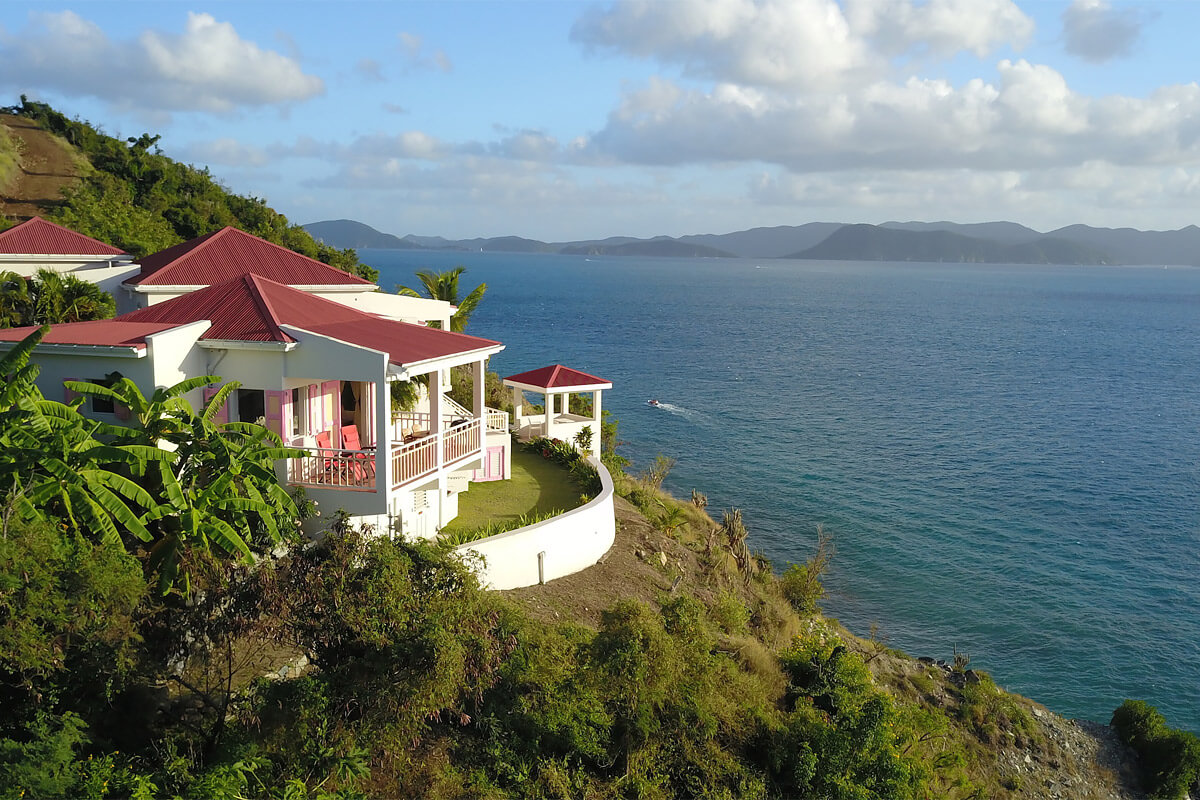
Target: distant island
{"type": "Point", "coordinates": [950, 242]}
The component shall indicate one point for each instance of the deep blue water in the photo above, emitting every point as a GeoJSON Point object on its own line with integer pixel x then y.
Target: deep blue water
{"type": "Point", "coordinates": [1007, 457]}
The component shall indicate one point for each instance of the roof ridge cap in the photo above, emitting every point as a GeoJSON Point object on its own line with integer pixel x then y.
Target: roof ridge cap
{"type": "Point", "coordinates": [258, 294]}
{"type": "Point", "coordinates": [294, 253]}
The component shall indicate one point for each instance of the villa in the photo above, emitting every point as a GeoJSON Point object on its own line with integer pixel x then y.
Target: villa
{"type": "Point", "coordinates": [316, 352]}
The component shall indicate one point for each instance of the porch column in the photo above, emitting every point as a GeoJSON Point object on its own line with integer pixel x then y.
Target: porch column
{"type": "Point", "coordinates": [596, 417]}
{"type": "Point", "coordinates": [549, 414]}
{"type": "Point", "coordinates": [477, 378]}
{"type": "Point", "coordinates": [435, 414]}
{"type": "Point", "coordinates": [383, 437]}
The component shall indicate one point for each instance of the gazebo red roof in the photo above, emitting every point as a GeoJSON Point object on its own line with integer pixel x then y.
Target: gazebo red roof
{"type": "Point", "coordinates": [556, 376]}
{"type": "Point", "coordinates": [228, 253]}
{"type": "Point", "coordinates": [37, 236]}
{"type": "Point", "coordinates": [255, 309]}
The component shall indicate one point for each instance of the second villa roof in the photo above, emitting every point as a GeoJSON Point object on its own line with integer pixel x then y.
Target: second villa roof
{"type": "Point", "coordinates": [251, 308]}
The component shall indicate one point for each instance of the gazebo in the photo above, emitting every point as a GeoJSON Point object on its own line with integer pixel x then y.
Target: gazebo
{"type": "Point", "coordinates": [556, 384]}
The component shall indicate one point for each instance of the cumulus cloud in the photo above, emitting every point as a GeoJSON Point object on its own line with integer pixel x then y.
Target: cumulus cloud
{"type": "Point", "coordinates": [1095, 31]}
{"type": "Point", "coordinates": [208, 67]}
{"type": "Point", "coordinates": [226, 152]}
{"type": "Point", "coordinates": [1027, 117]}
{"type": "Point", "coordinates": [798, 44]}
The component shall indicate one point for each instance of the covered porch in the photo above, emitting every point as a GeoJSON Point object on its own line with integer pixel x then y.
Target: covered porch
{"type": "Point", "coordinates": [556, 384]}
{"type": "Point", "coordinates": [353, 447]}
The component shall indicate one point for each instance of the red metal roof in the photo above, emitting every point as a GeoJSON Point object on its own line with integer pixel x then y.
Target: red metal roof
{"type": "Point", "coordinates": [101, 333]}
{"type": "Point", "coordinates": [253, 308]}
{"type": "Point", "coordinates": [228, 253]}
{"type": "Point", "coordinates": [556, 376]}
{"type": "Point", "coordinates": [36, 236]}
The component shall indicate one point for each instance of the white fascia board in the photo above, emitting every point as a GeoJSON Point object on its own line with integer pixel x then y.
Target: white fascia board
{"type": "Point", "coordinates": [334, 288]}
{"type": "Point", "coordinates": [292, 329]}
{"type": "Point", "coordinates": [239, 344]}
{"type": "Point", "coordinates": [589, 387]}
{"type": "Point", "coordinates": [52, 258]}
{"type": "Point", "coordinates": [407, 371]}
{"type": "Point", "coordinates": [101, 350]}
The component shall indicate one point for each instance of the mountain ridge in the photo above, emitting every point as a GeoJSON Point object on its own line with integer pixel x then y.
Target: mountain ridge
{"type": "Point", "coordinates": [997, 242]}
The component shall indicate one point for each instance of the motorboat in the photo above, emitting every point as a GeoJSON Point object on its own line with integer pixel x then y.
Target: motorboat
{"type": "Point", "coordinates": [652, 403]}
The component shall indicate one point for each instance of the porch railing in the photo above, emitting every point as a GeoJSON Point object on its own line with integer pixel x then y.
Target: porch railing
{"type": "Point", "coordinates": [333, 469]}
{"type": "Point", "coordinates": [418, 458]}
{"type": "Point", "coordinates": [407, 424]}
{"type": "Point", "coordinates": [412, 460]}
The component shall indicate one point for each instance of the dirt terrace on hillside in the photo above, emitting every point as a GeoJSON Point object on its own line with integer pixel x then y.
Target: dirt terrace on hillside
{"type": "Point", "coordinates": [47, 166]}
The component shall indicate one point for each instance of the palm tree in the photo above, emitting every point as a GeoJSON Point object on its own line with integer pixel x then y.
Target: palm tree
{"type": "Point", "coordinates": [16, 303]}
{"type": "Point", "coordinates": [62, 297]}
{"type": "Point", "coordinates": [49, 298]}
{"type": "Point", "coordinates": [444, 286]}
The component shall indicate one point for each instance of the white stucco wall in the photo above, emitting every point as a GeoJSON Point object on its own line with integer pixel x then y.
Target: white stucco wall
{"type": "Point", "coordinates": [570, 542]}
{"type": "Point", "coordinates": [398, 307]}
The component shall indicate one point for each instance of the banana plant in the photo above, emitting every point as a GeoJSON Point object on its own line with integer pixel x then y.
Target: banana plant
{"type": "Point", "coordinates": [217, 492]}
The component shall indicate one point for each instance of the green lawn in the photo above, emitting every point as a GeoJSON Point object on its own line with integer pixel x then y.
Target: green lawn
{"type": "Point", "coordinates": [537, 486]}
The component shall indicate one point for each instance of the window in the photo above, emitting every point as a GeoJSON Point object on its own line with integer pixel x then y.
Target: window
{"type": "Point", "coordinates": [103, 405]}
{"type": "Point", "coordinates": [252, 405]}
{"type": "Point", "coordinates": [299, 409]}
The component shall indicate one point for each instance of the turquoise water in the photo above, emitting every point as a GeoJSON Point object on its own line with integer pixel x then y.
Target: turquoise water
{"type": "Point", "coordinates": [1008, 457]}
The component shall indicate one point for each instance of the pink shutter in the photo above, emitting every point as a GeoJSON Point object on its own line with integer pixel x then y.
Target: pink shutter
{"type": "Point", "coordinates": [275, 402]}
{"type": "Point", "coordinates": [222, 415]}
{"type": "Point", "coordinates": [316, 410]}
{"type": "Point", "coordinates": [121, 410]}
{"type": "Point", "coordinates": [69, 395]}
{"type": "Point", "coordinates": [331, 397]}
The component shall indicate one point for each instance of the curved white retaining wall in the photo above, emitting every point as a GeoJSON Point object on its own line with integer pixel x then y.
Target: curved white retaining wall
{"type": "Point", "coordinates": [547, 550]}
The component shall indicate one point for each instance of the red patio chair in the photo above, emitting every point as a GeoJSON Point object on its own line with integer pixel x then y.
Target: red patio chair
{"type": "Point", "coordinates": [338, 471]}
{"type": "Point", "coordinates": [350, 442]}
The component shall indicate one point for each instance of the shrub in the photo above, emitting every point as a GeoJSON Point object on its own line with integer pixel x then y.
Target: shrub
{"type": "Point", "coordinates": [1170, 758]}
{"type": "Point", "coordinates": [801, 583]}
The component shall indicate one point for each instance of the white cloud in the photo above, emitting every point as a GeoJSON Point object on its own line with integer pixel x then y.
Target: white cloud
{"type": "Point", "coordinates": [226, 152]}
{"type": "Point", "coordinates": [799, 44]}
{"type": "Point", "coordinates": [1026, 117]}
{"type": "Point", "coordinates": [413, 48]}
{"type": "Point", "coordinates": [1095, 31]}
{"type": "Point", "coordinates": [208, 67]}
{"type": "Point", "coordinates": [771, 43]}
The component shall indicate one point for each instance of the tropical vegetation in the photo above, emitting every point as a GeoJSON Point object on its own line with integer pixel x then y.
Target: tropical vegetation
{"type": "Point", "coordinates": [444, 286]}
{"type": "Point", "coordinates": [49, 298]}
{"type": "Point", "coordinates": [134, 197]}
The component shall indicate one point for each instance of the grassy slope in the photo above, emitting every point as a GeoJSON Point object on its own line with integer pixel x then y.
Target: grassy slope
{"type": "Point", "coordinates": [1008, 746]}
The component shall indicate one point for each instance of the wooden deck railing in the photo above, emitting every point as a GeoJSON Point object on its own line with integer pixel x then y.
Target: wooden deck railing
{"type": "Point", "coordinates": [412, 460]}
{"type": "Point", "coordinates": [334, 469]}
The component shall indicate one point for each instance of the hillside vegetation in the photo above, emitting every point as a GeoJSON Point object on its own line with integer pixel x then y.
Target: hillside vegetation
{"type": "Point", "coordinates": [127, 194]}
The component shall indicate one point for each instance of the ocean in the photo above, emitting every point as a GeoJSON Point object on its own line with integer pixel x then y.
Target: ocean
{"type": "Point", "coordinates": [1007, 457]}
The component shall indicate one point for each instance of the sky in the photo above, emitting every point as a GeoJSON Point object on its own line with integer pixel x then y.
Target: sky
{"type": "Point", "coordinates": [570, 120]}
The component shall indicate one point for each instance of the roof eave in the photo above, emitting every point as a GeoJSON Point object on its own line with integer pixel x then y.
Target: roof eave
{"type": "Point", "coordinates": [583, 387]}
{"type": "Point", "coordinates": [414, 368]}
{"type": "Point", "coordinates": [101, 350]}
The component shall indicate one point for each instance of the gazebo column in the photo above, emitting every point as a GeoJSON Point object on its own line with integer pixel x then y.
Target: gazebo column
{"type": "Point", "coordinates": [596, 418]}
{"type": "Point", "coordinates": [518, 401]}
{"type": "Point", "coordinates": [549, 415]}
